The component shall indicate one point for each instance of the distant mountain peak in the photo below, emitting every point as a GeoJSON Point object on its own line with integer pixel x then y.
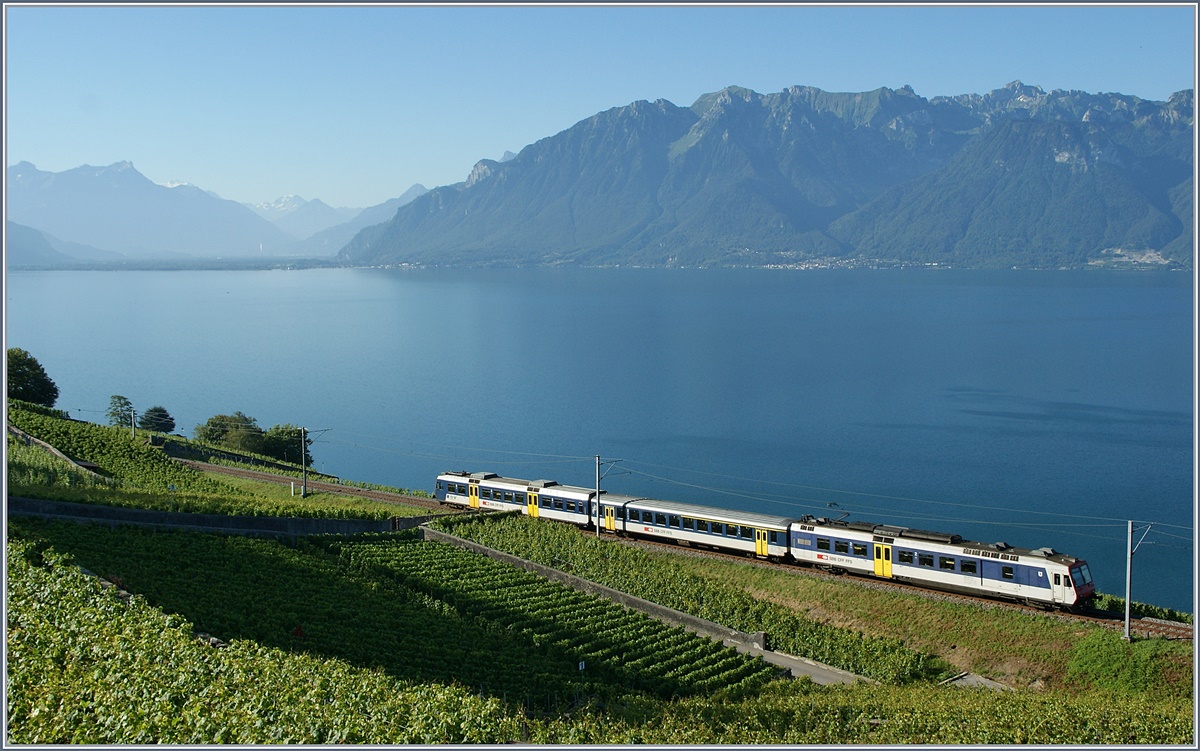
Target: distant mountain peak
{"type": "Point", "coordinates": [116, 208]}
{"type": "Point", "coordinates": [281, 205]}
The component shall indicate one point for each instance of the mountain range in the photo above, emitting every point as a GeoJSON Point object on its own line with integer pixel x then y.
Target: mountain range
{"type": "Point", "coordinates": [114, 214]}
{"type": "Point", "coordinates": [1017, 177]}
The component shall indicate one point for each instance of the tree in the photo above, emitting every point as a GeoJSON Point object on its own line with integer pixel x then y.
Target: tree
{"type": "Point", "coordinates": [236, 431]}
{"type": "Point", "coordinates": [283, 442]}
{"type": "Point", "coordinates": [157, 419]}
{"type": "Point", "coordinates": [120, 411]}
{"type": "Point", "coordinates": [27, 379]}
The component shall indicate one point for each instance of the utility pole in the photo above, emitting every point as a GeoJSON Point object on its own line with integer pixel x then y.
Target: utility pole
{"type": "Point", "coordinates": [132, 424]}
{"type": "Point", "coordinates": [597, 496]}
{"type": "Point", "coordinates": [303, 463]}
{"type": "Point", "coordinates": [1129, 571]}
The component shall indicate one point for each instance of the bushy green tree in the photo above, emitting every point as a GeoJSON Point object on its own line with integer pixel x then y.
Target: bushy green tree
{"type": "Point", "coordinates": [157, 419]}
{"type": "Point", "coordinates": [236, 431]}
{"type": "Point", "coordinates": [120, 411]}
{"type": "Point", "coordinates": [283, 443]}
{"type": "Point", "coordinates": [27, 379]}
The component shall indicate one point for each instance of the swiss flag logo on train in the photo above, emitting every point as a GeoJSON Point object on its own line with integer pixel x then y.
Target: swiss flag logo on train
{"type": "Point", "coordinates": [821, 556]}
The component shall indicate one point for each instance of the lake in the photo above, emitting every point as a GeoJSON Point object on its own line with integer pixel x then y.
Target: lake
{"type": "Point", "coordinates": [1038, 408]}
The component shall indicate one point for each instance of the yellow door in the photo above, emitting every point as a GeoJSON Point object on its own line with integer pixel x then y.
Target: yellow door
{"type": "Point", "coordinates": [532, 508]}
{"type": "Point", "coordinates": [883, 561]}
{"type": "Point", "coordinates": [760, 542]}
{"type": "Point", "coordinates": [473, 496]}
{"type": "Point", "coordinates": [610, 518]}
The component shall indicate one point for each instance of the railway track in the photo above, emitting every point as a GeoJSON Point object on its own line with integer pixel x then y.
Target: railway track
{"type": "Point", "coordinates": [317, 486]}
{"type": "Point", "coordinates": [1147, 627]}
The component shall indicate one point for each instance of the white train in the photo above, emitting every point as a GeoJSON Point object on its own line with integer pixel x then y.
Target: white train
{"type": "Point", "coordinates": [931, 559]}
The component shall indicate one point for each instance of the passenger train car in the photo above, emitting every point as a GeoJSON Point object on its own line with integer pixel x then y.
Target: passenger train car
{"type": "Point", "coordinates": [930, 559]}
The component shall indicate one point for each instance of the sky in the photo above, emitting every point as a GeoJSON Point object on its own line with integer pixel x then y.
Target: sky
{"type": "Point", "coordinates": [355, 104]}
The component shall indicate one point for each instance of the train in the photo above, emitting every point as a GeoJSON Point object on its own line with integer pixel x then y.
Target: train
{"type": "Point", "coordinates": [935, 560]}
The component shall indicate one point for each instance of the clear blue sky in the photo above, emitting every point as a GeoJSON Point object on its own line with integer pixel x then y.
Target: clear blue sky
{"type": "Point", "coordinates": [353, 105]}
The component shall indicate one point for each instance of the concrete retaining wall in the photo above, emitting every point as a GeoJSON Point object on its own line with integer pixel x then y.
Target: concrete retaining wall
{"type": "Point", "coordinates": [696, 625]}
{"type": "Point", "coordinates": [234, 525]}
{"type": "Point", "coordinates": [29, 440]}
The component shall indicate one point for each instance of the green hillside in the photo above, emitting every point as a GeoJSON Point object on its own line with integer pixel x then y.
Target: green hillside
{"type": "Point", "coordinates": [385, 638]}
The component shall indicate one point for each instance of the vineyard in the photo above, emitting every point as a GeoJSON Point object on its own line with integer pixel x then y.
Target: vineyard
{"type": "Point", "coordinates": [343, 642]}
{"type": "Point", "coordinates": [410, 608]}
{"type": "Point", "coordinates": [138, 475]}
{"type": "Point", "coordinates": [658, 580]}
{"type": "Point", "coordinates": [624, 648]}
{"type": "Point", "coordinates": [387, 639]}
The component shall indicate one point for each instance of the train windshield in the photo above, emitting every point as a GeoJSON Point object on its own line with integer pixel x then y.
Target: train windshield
{"type": "Point", "coordinates": [1081, 575]}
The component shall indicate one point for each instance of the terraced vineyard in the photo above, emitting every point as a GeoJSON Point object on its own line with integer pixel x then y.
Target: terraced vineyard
{"type": "Point", "coordinates": [381, 663]}
{"type": "Point", "coordinates": [658, 579]}
{"type": "Point", "coordinates": [141, 476]}
{"type": "Point", "coordinates": [385, 639]}
{"type": "Point", "coordinates": [417, 610]}
{"type": "Point", "coordinates": [621, 646]}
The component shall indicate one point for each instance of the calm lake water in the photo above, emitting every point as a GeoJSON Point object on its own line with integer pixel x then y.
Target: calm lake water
{"type": "Point", "coordinates": [1038, 408]}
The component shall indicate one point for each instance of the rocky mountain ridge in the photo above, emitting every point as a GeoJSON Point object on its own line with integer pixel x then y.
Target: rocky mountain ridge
{"type": "Point", "coordinates": [1015, 177]}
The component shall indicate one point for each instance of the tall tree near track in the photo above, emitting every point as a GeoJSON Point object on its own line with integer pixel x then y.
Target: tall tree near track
{"type": "Point", "coordinates": [236, 431]}
{"type": "Point", "coordinates": [283, 443]}
{"type": "Point", "coordinates": [120, 411]}
{"type": "Point", "coordinates": [27, 379]}
{"type": "Point", "coordinates": [156, 418]}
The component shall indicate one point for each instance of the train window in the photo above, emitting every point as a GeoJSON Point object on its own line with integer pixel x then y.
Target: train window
{"type": "Point", "coordinates": [773, 537]}
{"type": "Point", "coordinates": [968, 567]}
{"type": "Point", "coordinates": [841, 546]}
{"type": "Point", "coordinates": [689, 523]}
{"type": "Point", "coordinates": [439, 484]}
{"type": "Point", "coordinates": [1058, 580]}
{"type": "Point", "coordinates": [748, 532]}
{"type": "Point", "coordinates": [674, 522]}
{"type": "Point", "coordinates": [822, 543]}
{"type": "Point", "coordinates": [925, 559]}
{"type": "Point", "coordinates": [718, 528]}
{"type": "Point", "coordinates": [860, 549]}
{"type": "Point", "coordinates": [945, 564]}
{"type": "Point", "coordinates": [546, 502]}
{"type": "Point", "coordinates": [701, 525]}
{"type": "Point", "coordinates": [520, 498]}
{"type": "Point", "coordinates": [1006, 572]}
{"type": "Point", "coordinates": [660, 520]}
{"type": "Point", "coordinates": [647, 517]}
{"type": "Point", "coordinates": [558, 504]}
{"type": "Point", "coordinates": [1081, 575]}
{"type": "Point", "coordinates": [905, 556]}
{"type": "Point", "coordinates": [570, 505]}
